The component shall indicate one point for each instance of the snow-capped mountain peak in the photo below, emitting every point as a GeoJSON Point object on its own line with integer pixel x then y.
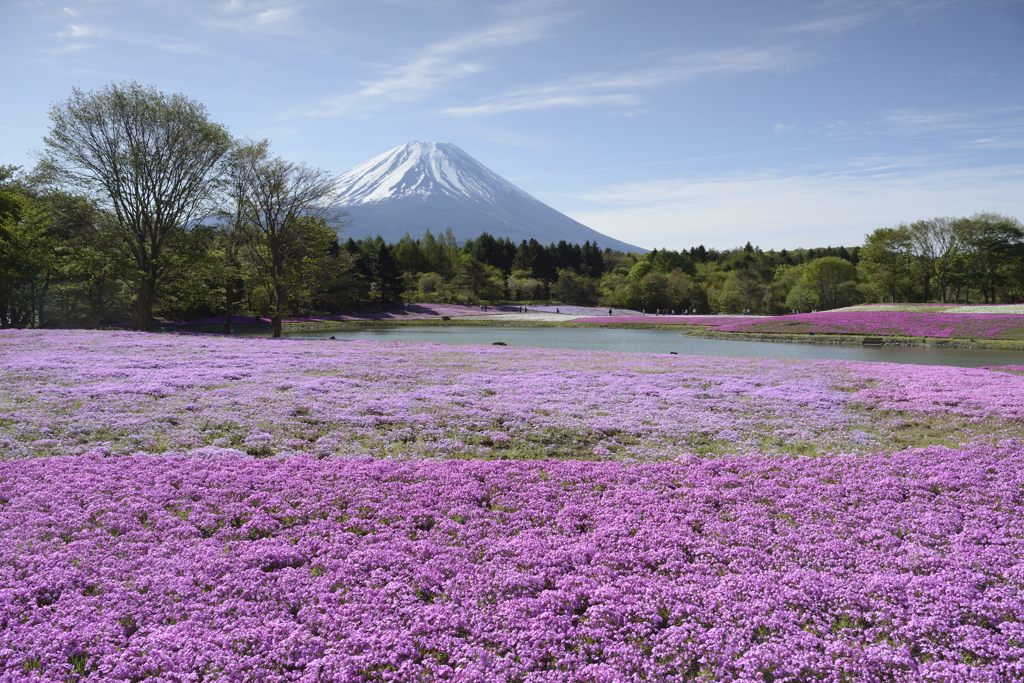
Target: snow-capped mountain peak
{"type": "Point", "coordinates": [435, 186]}
{"type": "Point", "coordinates": [421, 168]}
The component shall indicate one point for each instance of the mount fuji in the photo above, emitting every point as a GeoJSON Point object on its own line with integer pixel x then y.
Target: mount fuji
{"type": "Point", "coordinates": [436, 186]}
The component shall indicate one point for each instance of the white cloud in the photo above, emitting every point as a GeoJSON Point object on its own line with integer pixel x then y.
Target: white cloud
{"type": "Point", "coordinates": [619, 88]}
{"type": "Point", "coordinates": [78, 31]}
{"type": "Point", "coordinates": [103, 31]}
{"type": "Point", "coordinates": [254, 17]}
{"type": "Point", "coordinates": [969, 120]}
{"type": "Point", "coordinates": [778, 210]}
{"type": "Point", "coordinates": [832, 25]}
{"type": "Point", "coordinates": [847, 16]}
{"type": "Point", "coordinates": [436, 65]}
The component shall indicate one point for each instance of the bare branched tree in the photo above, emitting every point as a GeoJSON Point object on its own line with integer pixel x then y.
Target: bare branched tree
{"type": "Point", "coordinates": [235, 181]}
{"type": "Point", "coordinates": [149, 158]}
{"type": "Point", "coordinates": [278, 195]}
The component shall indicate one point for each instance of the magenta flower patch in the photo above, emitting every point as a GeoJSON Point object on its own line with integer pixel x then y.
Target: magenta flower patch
{"type": "Point", "coordinates": [901, 567]}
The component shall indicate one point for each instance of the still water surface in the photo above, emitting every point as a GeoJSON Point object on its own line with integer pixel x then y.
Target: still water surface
{"type": "Point", "coordinates": [666, 341]}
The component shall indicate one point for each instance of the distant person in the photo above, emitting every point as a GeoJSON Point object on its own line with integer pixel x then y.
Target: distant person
{"type": "Point", "coordinates": [609, 311]}
{"type": "Point", "coordinates": [557, 311]}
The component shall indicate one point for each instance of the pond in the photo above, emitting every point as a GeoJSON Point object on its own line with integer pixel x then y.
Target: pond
{"type": "Point", "coordinates": [667, 341]}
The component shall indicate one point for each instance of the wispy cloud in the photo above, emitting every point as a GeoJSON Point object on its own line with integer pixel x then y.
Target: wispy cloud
{"type": "Point", "coordinates": [832, 25]}
{"type": "Point", "coordinates": [77, 31]}
{"type": "Point", "coordinates": [254, 16]}
{"type": "Point", "coordinates": [76, 36]}
{"type": "Point", "coordinates": [438, 64]}
{"type": "Point", "coordinates": [787, 210]}
{"type": "Point", "coordinates": [622, 88]}
{"type": "Point", "coordinates": [990, 129]}
{"type": "Point", "coordinates": [845, 15]}
{"type": "Point", "coordinates": [79, 36]}
{"type": "Point", "coordinates": [975, 120]}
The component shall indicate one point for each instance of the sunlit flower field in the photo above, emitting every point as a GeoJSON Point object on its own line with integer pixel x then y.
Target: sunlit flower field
{"type": "Point", "coordinates": [179, 507]}
{"type": "Point", "coordinates": [920, 320]}
{"type": "Point", "coordinates": [940, 324]}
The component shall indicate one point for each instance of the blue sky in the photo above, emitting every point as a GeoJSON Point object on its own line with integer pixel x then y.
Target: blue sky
{"type": "Point", "coordinates": [664, 124]}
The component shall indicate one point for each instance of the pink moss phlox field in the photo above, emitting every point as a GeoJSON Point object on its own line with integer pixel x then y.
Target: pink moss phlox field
{"type": "Point", "coordinates": [869, 322]}
{"type": "Point", "coordinates": [939, 325]}
{"type": "Point", "coordinates": [70, 392]}
{"type": "Point", "coordinates": [709, 321]}
{"type": "Point", "coordinates": [895, 567]}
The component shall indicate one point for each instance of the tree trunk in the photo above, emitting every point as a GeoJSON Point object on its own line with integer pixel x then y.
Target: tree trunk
{"type": "Point", "coordinates": [144, 304]}
{"type": "Point", "coordinates": [229, 304]}
{"type": "Point", "coordinates": [143, 309]}
{"type": "Point", "coordinates": [32, 320]}
{"type": "Point", "coordinates": [43, 291]}
{"type": "Point", "coordinates": [280, 298]}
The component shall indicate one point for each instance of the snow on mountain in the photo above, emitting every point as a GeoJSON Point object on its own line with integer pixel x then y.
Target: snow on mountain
{"type": "Point", "coordinates": [436, 186]}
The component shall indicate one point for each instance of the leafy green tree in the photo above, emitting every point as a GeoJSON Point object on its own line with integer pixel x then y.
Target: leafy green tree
{"type": "Point", "coordinates": [27, 262]}
{"type": "Point", "coordinates": [777, 291]}
{"type": "Point", "coordinates": [233, 230]}
{"type": "Point", "coordinates": [150, 158]}
{"type": "Point", "coordinates": [432, 287]}
{"type": "Point", "coordinates": [665, 261]}
{"type": "Point", "coordinates": [994, 252]}
{"type": "Point", "coordinates": [616, 289]}
{"type": "Point", "coordinates": [932, 248]}
{"type": "Point", "coordinates": [194, 283]}
{"type": "Point", "coordinates": [409, 256]}
{"type": "Point", "coordinates": [641, 269]}
{"type": "Point", "coordinates": [522, 286]}
{"type": "Point", "coordinates": [741, 291]}
{"type": "Point", "coordinates": [886, 263]}
{"type": "Point", "coordinates": [342, 287]}
{"type": "Point", "coordinates": [801, 297]}
{"type": "Point", "coordinates": [482, 282]}
{"type": "Point", "coordinates": [827, 282]}
{"type": "Point", "coordinates": [573, 288]}
{"type": "Point", "coordinates": [92, 286]}
{"type": "Point", "coordinates": [592, 262]}
{"type": "Point", "coordinates": [531, 256]}
{"type": "Point", "coordinates": [436, 255]}
{"type": "Point", "coordinates": [567, 257]}
{"type": "Point", "coordinates": [10, 203]}
{"type": "Point", "coordinates": [280, 199]}
{"type": "Point", "coordinates": [493, 252]}
{"type": "Point", "coordinates": [388, 283]}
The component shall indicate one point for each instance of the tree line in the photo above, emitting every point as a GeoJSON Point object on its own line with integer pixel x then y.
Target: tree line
{"type": "Point", "coordinates": [143, 209]}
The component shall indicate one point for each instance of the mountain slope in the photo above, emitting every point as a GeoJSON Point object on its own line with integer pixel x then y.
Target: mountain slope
{"type": "Point", "coordinates": [436, 186]}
